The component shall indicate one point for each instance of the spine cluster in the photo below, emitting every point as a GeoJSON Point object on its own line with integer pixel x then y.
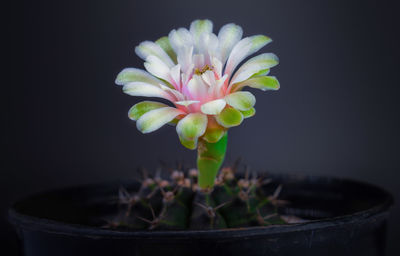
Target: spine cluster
{"type": "Point", "coordinates": [177, 203]}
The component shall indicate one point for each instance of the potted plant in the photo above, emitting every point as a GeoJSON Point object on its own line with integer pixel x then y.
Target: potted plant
{"type": "Point", "coordinates": [205, 210]}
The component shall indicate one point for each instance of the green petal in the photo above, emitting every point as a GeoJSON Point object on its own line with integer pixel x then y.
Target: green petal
{"type": "Point", "coordinates": [258, 42]}
{"type": "Point", "coordinates": [262, 82]}
{"type": "Point", "coordinates": [156, 118]}
{"type": "Point", "coordinates": [213, 107]}
{"type": "Point", "coordinates": [174, 122]}
{"type": "Point", "coordinates": [249, 113]}
{"type": "Point", "coordinates": [142, 108]}
{"type": "Point", "coordinates": [129, 75]}
{"type": "Point", "coordinates": [262, 72]}
{"type": "Point", "coordinates": [190, 144]}
{"type": "Point", "coordinates": [229, 117]}
{"type": "Point", "coordinates": [241, 100]}
{"type": "Point", "coordinates": [164, 43]}
{"type": "Point", "coordinates": [190, 128]}
{"type": "Point", "coordinates": [214, 131]}
{"type": "Point", "coordinates": [214, 134]}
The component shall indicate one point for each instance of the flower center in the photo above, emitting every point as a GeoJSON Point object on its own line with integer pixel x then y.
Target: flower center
{"type": "Point", "coordinates": [201, 71]}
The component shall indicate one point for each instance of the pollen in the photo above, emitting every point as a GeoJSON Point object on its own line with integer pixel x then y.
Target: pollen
{"type": "Point", "coordinates": [199, 72]}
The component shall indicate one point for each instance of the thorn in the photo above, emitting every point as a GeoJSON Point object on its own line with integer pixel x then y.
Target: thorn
{"type": "Point", "coordinates": [162, 190]}
{"type": "Point", "coordinates": [210, 210]}
{"type": "Point", "coordinates": [123, 195]}
{"type": "Point", "coordinates": [277, 191]}
{"type": "Point", "coordinates": [143, 219]}
{"type": "Point", "coordinates": [202, 206]}
{"type": "Point", "coordinates": [270, 216]}
{"type": "Point", "coordinates": [150, 195]}
{"type": "Point", "coordinates": [157, 175]}
{"type": "Point", "coordinates": [222, 205]}
{"type": "Point", "coordinates": [246, 174]}
{"type": "Point", "coordinates": [274, 198]}
{"type": "Point", "coordinates": [292, 219]}
{"type": "Point", "coordinates": [128, 211]}
{"type": "Point", "coordinates": [266, 181]}
{"type": "Point", "coordinates": [111, 224]}
{"type": "Point", "coordinates": [262, 220]}
{"type": "Point", "coordinates": [152, 211]}
{"type": "Point", "coordinates": [156, 220]}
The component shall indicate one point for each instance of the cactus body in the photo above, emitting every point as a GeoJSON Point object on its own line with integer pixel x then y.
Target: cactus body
{"type": "Point", "coordinates": [179, 203]}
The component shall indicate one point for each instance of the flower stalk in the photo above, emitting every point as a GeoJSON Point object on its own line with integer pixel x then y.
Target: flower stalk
{"type": "Point", "coordinates": [210, 157]}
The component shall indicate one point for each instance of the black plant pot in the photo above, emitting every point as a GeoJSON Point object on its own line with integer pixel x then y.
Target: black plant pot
{"type": "Point", "coordinates": [347, 218]}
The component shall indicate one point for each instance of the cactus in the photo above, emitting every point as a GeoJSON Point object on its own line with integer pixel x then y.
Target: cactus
{"type": "Point", "coordinates": [178, 203]}
{"type": "Point", "coordinates": [197, 73]}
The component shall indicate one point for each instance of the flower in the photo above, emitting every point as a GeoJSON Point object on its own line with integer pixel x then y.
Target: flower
{"type": "Point", "coordinates": [194, 70]}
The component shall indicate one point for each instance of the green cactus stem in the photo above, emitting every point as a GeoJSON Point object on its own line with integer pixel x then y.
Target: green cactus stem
{"type": "Point", "coordinates": [209, 160]}
{"type": "Point", "coordinates": [177, 203]}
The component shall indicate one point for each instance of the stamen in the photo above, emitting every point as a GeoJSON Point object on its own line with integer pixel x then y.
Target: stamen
{"type": "Point", "coordinates": [199, 72]}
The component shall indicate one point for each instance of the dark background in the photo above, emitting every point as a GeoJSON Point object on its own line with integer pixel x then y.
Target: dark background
{"type": "Point", "coordinates": [337, 112]}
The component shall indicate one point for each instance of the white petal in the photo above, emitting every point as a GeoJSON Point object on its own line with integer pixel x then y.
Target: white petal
{"type": "Point", "coordinates": [199, 27]}
{"type": "Point", "coordinates": [129, 75]}
{"type": "Point", "coordinates": [147, 48]}
{"type": "Point", "coordinates": [180, 38]}
{"type": "Point", "coordinates": [207, 45]}
{"type": "Point", "coordinates": [228, 36]}
{"type": "Point", "coordinates": [218, 88]}
{"type": "Point", "coordinates": [178, 96]}
{"type": "Point", "coordinates": [186, 102]}
{"type": "Point", "coordinates": [254, 65]}
{"type": "Point", "coordinates": [243, 49]}
{"type": "Point", "coordinates": [209, 78]}
{"type": "Point", "coordinates": [164, 43]}
{"type": "Point", "coordinates": [156, 118]}
{"type": "Point", "coordinates": [185, 59]}
{"type": "Point", "coordinates": [197, 88]}
{"type": "Point", "coordinates": [217, 65]}
{"type": "Point", "coordinates": [175, 73]}
{"type": "Point", "coordinates": [185, 78]}
{"type": "Point", "coordinates": [198, 61]}
{"type": "Point", "coordinates": [146, 90]}
{"type": "Point", "coordinates": [157, 67]}
{"type": "Point", "coordinates": [213, 107]}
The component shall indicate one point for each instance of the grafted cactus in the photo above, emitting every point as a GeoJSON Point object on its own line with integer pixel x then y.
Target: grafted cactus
{"type": "Point", "coordinates": [198, 72]}
{"type": "Point", "coordinates": [176, 203]}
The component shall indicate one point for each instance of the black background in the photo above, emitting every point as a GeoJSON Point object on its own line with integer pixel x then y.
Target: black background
{"type": "Point", "coordinates": [336, 114]}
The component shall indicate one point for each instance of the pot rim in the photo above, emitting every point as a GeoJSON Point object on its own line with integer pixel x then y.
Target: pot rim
{"type": "Point", "coordinates": [32, 223]}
